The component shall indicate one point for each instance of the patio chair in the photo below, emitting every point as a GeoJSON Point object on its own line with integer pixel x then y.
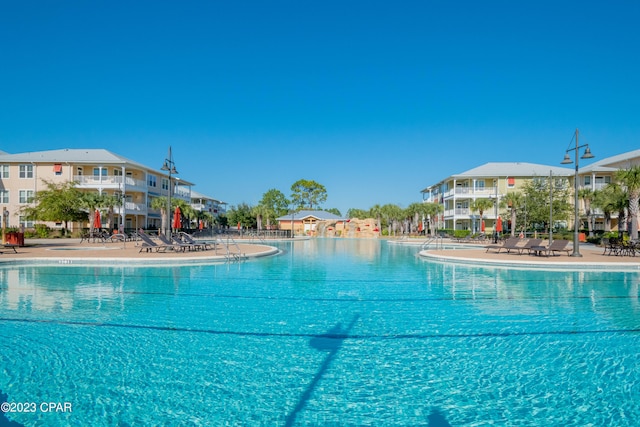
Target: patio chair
{"type": "Point", "coordinates": [149, 245]}
{"type": "Point", "coordinates": [531, 243]}
{"type": "Point", "coordinates": [174, 245]}
{"type": "Point", "coordinates": [555, 246]}
{"type": "Point", "coordinates": [512, 243]}
{"type": "Point", "coordinates": [9, 246]}
{"type": "Point", "coordinates": [188, 239]}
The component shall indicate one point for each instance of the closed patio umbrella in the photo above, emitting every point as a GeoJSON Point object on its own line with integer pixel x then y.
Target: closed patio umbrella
{"type": "Point", "coordinates": [177, 221]}
{"type": "Point", "coordinates": [499, 225]}
{"type": "Point", "coordinates": [482, 226]}
{"type": "Point", "coordinates": [97, 223]}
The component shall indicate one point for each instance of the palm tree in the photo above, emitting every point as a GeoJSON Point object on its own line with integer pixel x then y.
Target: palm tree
{"type": "Point", "coordinates": [514, 202]}
{"type": "Point", "coordinates": [376, 212]}
{"type": "Point", "coordinates": [630, 178]}
{"type": "Point", "coordinates": [481, 205]}
{"type": "Point", "coordinates": [391, 213]}
{"type": "Point", "coordinates": [160, 203]}
{"type": "Point", "coordinates": [612, 198]}
{"type": "Point", "coordinates": [587, 195]}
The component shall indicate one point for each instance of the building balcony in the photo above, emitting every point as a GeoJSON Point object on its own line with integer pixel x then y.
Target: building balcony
{"type": "Point", "coordinates": [114, 182]}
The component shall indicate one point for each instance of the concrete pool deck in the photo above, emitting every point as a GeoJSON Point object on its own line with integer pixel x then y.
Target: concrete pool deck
{"type": "Point", "coordinates": [592, 258]}
{"type": "Point", "coordinates": [66, 251]}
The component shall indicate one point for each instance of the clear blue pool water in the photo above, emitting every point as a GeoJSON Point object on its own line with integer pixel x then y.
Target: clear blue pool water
{"type": "Point", "coordinates": [332, 332]}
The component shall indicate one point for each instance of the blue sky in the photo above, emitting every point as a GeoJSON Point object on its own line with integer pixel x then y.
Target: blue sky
{"type": "Point", "coordinates": [375, 100]}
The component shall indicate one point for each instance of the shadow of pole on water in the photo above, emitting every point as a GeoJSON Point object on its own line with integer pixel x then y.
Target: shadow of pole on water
{"type": "Point", "coordinates": [331, 343]}
{"type": "Point", "coordinates": [436, 419]}
{"type": "Point", "coordinates": [4, 421]}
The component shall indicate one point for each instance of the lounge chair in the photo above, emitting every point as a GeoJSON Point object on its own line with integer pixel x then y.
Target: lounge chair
{"type": "Point", "coordinates": [531, 243]}
{"type": "Point", "coordinates": [149, 245]}
{"type": "Point", "coordinates": [555, 246]}
{"type": "Point", "coordinates": [188, 239]}
{"type": "Point", "coordinates": [512, 243]}
{"type": "Point", "coordinates": [174, 245]}
{"type": "Point", "coordinates": [9, 246]}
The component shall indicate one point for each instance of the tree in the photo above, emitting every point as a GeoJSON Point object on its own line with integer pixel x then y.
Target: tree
{"type": "Point", "coordinates": [357, 213]}
{"type": "Point", "coordinates": [630, 179]}
{"type": "Point", "coordinates": [375, 212]}
{"type": "Point", "coordinates": [514, 202]}
{"type": "Point", "coordinates": [242, 214]}
{"type": "Point", "coordinates": [391, 214]}
{"type": "Point", "coordinates": [611, 198]}
{"type": "Point", "coordinates": [536, 192]}
{"type": "Point", "coordinates": [92, 202]}
{"type": "Point", "coordinates": [160, 203]}
{"type": "Point", "coordinates": [59, 202]}
{"type": "Point", "coordinates": [306, 193]}
{"type": "Point", "coordinates": [587, 195]}
{"type": "Point", "coordinates": [481, 205]}
{"type": "Point", "coordinates": [273, 204]}
{"type": "Point", "coordinates": [334, 211]}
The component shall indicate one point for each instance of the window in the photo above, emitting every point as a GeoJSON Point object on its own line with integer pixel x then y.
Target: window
{"type": "Point", "coordinates": [587, 180]}
{"type": "Point", "coordinates": [25, 196]}
{"type": "Point", "coordinates": [117, 172]}
{"type": "Point", "coordinates": [26, 171]}
{"type": "Point", "coordinates": [25, 223]}
{"type": "Point", "coordinates": [152, 180]}
{"type": "Point", "coordinates": [480, 184]}
{"type": "Point", "coordinates": [80, 171]}
{"type": "Point", "coordinates": [4, 197]}
{"type": "Point", "coordinates": [165, 184]}
{"type": "Point", "coordinates": [4, 171]}
{"type": "Point", "coordinates": [511, 182]}
{"type": "Point", "coordinates": [57, 169]}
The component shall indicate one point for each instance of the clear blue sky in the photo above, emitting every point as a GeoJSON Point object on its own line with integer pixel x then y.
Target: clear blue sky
{"type": "Point", "coordinates": [373, 99]}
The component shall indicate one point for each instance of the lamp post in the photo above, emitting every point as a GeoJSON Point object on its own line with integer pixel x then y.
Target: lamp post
{"type": "Point", "coordinates": [170, 167]}
{"type": "Point", "coordinates": [576, 219]}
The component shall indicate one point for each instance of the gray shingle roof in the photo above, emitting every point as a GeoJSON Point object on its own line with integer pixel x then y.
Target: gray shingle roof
{"type": "Point", "coordinates": [515, 169]}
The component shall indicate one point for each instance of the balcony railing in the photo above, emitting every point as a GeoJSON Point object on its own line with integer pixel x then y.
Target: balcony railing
{"type": "Point", "coordinates": [471, 192]}
{"type": "Point", "coordinates": [110, 181]}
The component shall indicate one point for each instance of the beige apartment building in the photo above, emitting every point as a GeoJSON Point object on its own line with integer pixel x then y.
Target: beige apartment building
{"type": "Point", "coordinates": [22, 175]}
{"type": "Point", "coordinates": [494, 181]}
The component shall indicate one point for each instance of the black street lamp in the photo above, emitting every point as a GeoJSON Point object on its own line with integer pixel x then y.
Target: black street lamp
{"type": "Point", "coordinates": [576, 220]}
{"type": "Point", "coordinates": [169, 166]}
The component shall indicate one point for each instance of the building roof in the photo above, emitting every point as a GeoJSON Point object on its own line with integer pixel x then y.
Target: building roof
{"type": "Point", "coordinates": [94, 156]}
{"type": "Point", "coordinates": [613, 162]}
{"type": "Point", "coordinates": [503, 169]}
{"type": "Point", "coordinates": [198, 195]}
{"type": "Point", "coordinates": [304, 214]}
{"type": "Point", "coordinates": [506, 169]}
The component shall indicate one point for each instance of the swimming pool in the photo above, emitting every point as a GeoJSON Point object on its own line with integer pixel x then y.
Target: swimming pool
{"type": "Point", "coordinates": [332, 332]}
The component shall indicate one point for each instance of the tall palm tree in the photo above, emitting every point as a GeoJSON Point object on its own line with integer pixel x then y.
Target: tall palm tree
{"type": "Point", "coordinates": [587, 196]}
{"type": "Point", "coordinates": [160, 203]}
{"type": "Point", "coordinates": [630, 179]}
{"type": "Point", "coordinates": [514, 202]}
{"type": "Point", "coordinates": [481, 205]}
{"type": "Point", "coordinates": [376, 212]}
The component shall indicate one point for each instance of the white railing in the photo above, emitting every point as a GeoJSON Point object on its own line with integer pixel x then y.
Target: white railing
{"type": "Point", "coordinates": [108, 181]}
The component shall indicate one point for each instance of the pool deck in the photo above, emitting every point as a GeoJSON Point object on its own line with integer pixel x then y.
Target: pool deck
{"type": "Point", "coordinates": [65, 251]}
{"type": "Point", "coordinates": [592, 258]}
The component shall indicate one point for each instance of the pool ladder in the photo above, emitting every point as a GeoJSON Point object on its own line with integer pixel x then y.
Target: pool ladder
{"type": "Point", "coordinates": [437, 240]}
{"type": "Point", "coordinates": [232, 256]}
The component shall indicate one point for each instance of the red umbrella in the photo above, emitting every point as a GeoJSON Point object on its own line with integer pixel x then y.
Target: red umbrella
{"type": "Point", "coordinates": [201, 225]}
{"type": "Point", "coordinates": [239, 226]}
{"type": "Point", "coordinates": [420, 227]}
{"type": "Point", "coordinates": [97, 223]}
{"type": "Point", "coordinates": [177, 221]}
{"type": "Point", "coordinates": [482, 226]}
{"type": "Point", "coordinates": [499, 225]}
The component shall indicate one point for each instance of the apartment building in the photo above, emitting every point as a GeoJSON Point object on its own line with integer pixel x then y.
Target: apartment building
{"type": "Point", "coordinates": [22, 175]}
{"type": "Point", "coordinates": [493, 181]}
{"type": "Point", "coordinates": [457, 193]}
